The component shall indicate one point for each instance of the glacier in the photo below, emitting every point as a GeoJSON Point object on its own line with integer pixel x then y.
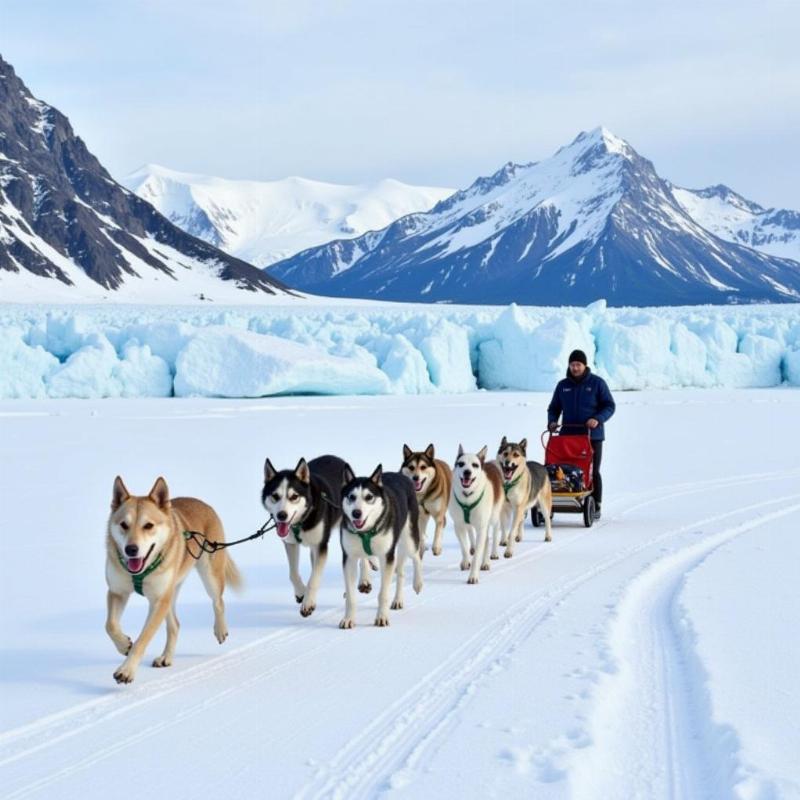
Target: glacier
{"type": "Point", "coordinates": [382, 348]}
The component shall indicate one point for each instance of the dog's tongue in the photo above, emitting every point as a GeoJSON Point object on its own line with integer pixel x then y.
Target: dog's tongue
{"type": "Point", "coordinates": [135, 564]}
{"type": "Point", "coordinates": [466, 482]}
{"type": "Point", "coordinates": [283, 529]}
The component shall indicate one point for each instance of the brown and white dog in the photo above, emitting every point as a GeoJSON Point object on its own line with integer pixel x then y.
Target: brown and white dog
{"type": "Point", "coordinates": [525, 483]}
{"type": "Point", "coordinates": [432, 480]}
{"type": "Point", "coordinates": [146, 552]}
{"type": "Point", "coordinates": [475, 505]}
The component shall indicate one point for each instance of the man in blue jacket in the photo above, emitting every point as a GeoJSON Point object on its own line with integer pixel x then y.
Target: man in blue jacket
{"type": "Point", "coordinates": [585, 401]}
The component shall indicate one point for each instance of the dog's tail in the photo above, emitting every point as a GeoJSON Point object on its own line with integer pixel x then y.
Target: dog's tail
{"type": "Point", "coordinates": [233, 577]}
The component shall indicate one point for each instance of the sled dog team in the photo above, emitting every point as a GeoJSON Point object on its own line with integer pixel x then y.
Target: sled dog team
{"type": "Point", "coordinates": [382, 521]}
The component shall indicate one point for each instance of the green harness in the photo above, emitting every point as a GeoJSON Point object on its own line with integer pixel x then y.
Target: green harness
{"type": "Point", "coordinates": [467, 509]}
{"type": "Point", "coordinates": [366, 538]}
{"type": "Point", "coordinates": [138, 578]}
{"type": "Point", "coordinates": [509, 485]}
{"type": "Point", "coordinates": [296, 531]}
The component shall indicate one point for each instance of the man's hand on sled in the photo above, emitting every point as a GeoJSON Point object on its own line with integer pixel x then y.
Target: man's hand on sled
{"type": "Point", "coordinates": [552, 427]}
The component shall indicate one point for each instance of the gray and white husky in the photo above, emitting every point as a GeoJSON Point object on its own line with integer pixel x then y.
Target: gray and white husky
{"type": "Point", "coordinates": [380, 521]}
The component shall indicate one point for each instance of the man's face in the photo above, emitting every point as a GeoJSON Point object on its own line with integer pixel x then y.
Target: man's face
{"type": "Point", "coordinates": [576, 368]}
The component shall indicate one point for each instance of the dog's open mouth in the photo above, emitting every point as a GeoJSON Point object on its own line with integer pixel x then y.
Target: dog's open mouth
{"type": "Point", "coordinates": [467, 482]}
{"type": "Point", "coordinates": [358, 524]}
{"type": "Point", "coordinates": [509, 470]}
{"type": "Point", "coordinates": [136, 565]}
{"type": "Point", "coordinates": [283, 528]}
{"type": "Point", "coordinates": [419, 483]}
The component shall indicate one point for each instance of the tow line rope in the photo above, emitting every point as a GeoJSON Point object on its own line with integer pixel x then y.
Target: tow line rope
{"type": "Point", "coordinates": [197, 543]}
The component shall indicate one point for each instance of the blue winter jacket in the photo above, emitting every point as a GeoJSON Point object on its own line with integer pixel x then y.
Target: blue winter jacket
{"type": "Point", "coordinates": [580, 400]}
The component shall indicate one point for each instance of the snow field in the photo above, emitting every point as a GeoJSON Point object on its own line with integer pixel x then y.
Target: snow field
{"type": "Point", "coordinates": [650, 656]}
{"type": "Point", "coordinates": [130, 351]}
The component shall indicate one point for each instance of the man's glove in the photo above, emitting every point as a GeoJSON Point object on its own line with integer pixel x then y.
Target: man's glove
{"type": "Point", "coordinates": [552, 427]}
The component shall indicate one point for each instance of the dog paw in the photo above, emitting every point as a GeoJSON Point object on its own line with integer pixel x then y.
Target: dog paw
{"type": "Point", "coordinates": [346, 624]}
{"type": "Point", "coordinates": [382, 621]}
{"type": "Point", "coordinates": [472, 579]}
{"type": "Point", "coordinates": [494, 556]}
{"type": "Point", "coordinates": [508, 554]}
{"type": "Point", "coordinates": [306, 611]}
{"type": "Point", "coordinates": [504, 543]}
{"type": "Point", "coordinates": [396, 605]}
{"type": "Point", "coordinates": [464, 566]}
{"type": "Point", "coordinates": [472, 551]}
{"type": "Point", "coordinates": [548, 538]}
{"type": "Point", "coordinates": [162, 661]}
{"type": "Point", "coordinates": [484, 567]}
{"type": "Point", "coordinates": [364, 587]}
{"type": "Point", "coordinates": [123, 645]}
{"type": "Point", "coordinates": [437, 551]}
{"type": "Point", "coordinates": [125, 674]}
{"type": "Point", "coordinates": [221, 632]}
{"type": "Point", "coordinates": [418, 587]}
{"type": "Point", "coordinates": [518, 537]}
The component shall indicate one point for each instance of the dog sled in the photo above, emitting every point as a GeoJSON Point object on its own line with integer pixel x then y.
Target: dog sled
{"type": "Point", "coordinates": [568, 460]}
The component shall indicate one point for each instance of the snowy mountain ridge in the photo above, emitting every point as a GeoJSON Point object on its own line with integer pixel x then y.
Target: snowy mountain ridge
{"type": "Point", "coordinates": [67, 230]}
{"type": "Point", "coordinates": [593, 220]}
{"type": "Point", "coordinates": [263, 222]}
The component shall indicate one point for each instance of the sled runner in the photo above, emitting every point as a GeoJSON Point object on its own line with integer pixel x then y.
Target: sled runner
{"type": "Point", "coordinates": [568, 460]}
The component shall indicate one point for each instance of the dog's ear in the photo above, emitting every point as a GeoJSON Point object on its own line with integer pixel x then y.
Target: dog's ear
{"type": "Point", "coordinates": [503, 443]}
{"type": "Point", "coordinates": [460, 451]}
{"type": "Point", "coordinates": [159, 494]}
{"type": "Point", "coordinates": [407, 451]}
{"type": "Point", "coordinates": [429, 452]}
{"type": "Point", "coordinates": [377, 475]}
{"type": "Point", "coordinates": [302, 471]}
{"type": "Point", "coordinates": [119, 494]}
{"type": "Point", "coordinates": [269, 471]}
{"type": "Point", "coordinates": [523, 445]}
{"type": "Point", "coordinates": [482, 454]}
{"type": "Point", "coordinates": [348, 474]}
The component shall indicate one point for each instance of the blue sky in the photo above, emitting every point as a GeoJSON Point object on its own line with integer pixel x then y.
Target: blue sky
{"type": "Point", "coordinates": [434, 92]}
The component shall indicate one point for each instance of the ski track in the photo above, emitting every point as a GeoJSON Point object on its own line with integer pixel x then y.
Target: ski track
{"type": "Point", "coordinates": [404, 736]}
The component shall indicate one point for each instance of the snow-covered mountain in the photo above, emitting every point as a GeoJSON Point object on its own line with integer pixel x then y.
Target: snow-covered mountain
{"type": "Point", "coordinates": [594, 220]}
{"type": "Point", "coordinates": [775, 231]}
{"type": "Point", "coordinates": [69, 232]}
{"type": "Point", "coordinates": [263, 222]}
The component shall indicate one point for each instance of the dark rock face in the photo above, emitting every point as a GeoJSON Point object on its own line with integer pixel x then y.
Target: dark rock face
{"type": "Point", "coordinates": [57, 199]}
{"type": "Point", "coordinates": [595, 220]}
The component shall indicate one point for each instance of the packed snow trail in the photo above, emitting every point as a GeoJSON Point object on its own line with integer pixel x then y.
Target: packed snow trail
{"type": "Point", "coordinates": [504, 689]}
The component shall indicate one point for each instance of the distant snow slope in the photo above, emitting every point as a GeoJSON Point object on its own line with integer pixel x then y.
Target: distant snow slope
{"type": "Point", "coordinates": [775, 231]}
{"type": "Point", "coordinates": [266, 221]}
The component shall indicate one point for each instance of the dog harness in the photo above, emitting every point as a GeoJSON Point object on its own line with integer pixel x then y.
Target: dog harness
{"type": "Point", "coordinates": [366, 538]}
{"type": "Point", "coordinates": [138, 578]}
{"type": "Point", "coordinates": [296, 531]}
{"type": "Point", "coordinates": [467, 509]}
{"type": "Point", "coordinates": [509, 485]}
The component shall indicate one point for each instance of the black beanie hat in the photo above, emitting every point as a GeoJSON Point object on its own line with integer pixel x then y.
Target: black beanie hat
{"type": "Point", "coordinates": [577, 355]}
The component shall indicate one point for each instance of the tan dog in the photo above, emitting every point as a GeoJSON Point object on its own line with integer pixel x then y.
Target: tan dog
{"type": "Point", "coordinates": [432, 480]}
{"type": "Point", "coordinates": [146, 552]}
{"type": "Point", "coordinates": [525, 483]}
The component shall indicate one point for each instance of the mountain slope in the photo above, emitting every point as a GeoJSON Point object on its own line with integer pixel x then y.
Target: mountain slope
{"type": "Point", "coordinates": [67, 230]}
{"type": "Point", "coordinates": [775, 231]}
{"type": "Point", "coordinates": [594, 220]}
{"type": "Point", "coordinates": [266, 221]}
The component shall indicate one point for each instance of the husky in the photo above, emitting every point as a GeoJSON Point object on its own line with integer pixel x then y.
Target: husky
{"type": "Point", "coordinates": [525, 483]}
{"type": "Point", "coordinates": [380, 519]}
{"type": "Point", "coordinates": [304, 502]}
{"type": "Point", "coordinates": [475, 506]}
{"type": "Point", "coordinates": [432, 480]}
{"type": "Point", "coordinates": [146, 552]}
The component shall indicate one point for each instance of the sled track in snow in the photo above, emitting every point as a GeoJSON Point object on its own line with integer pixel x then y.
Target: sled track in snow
{"type": "Point", "coordinates": [408, 728]}
{"type": "Point", "coordinates": [391, 752]}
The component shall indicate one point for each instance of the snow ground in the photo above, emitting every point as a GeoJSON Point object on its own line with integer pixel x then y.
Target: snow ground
{"type": "Point", "coordinates": [652, 656]}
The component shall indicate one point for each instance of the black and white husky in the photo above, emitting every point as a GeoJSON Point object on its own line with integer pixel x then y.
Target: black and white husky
{"type": "Point", "coordinates": [304, 502]}
{"type": "Point", "coordinates": [380, 520]}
